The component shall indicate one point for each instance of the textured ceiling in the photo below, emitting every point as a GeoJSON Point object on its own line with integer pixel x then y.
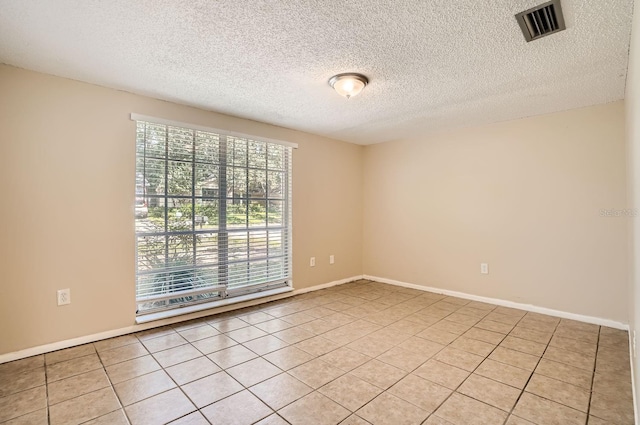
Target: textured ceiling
{"type": "Point", "coordinates": [432, 65]}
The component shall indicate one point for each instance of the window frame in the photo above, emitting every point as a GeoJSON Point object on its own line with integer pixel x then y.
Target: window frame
{"type": "Point", "coordinates": [226, 294]}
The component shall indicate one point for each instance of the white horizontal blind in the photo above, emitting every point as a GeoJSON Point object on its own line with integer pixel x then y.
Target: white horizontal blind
{"type": "Point", "coordinates": [213, 216]}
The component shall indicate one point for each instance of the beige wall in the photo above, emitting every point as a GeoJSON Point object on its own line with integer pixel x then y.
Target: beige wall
{"type": "Point", "coordinates": [67, 182]}
{"type": "Point", "coordinates": [524, 196]}
{"type": "Point", "coordinates": [632, 104]}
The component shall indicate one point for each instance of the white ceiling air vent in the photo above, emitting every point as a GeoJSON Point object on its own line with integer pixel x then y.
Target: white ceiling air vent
{"type": "Point", "coordinates": [541, 20]}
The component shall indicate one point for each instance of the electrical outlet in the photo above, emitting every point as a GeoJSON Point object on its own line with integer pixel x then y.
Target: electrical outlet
{"type": "Point", "coordinates": [484, 268]}
{"type": "Point", "coordinates": [312, 262]}
{"type": "Point", "coordinates": [332, 259]}
{"type": "Point", "coordinates": [64, 296]}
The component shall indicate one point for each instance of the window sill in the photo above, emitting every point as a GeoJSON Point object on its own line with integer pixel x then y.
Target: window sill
{"type": "Point", "coordinates": [146, 318]}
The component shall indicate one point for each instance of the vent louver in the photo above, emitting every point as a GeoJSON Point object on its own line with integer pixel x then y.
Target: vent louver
{"type": "Point", "coordinates": [541, 20]}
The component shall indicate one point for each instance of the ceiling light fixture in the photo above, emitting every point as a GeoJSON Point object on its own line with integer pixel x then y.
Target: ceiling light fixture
{"type": "Point", "coordinates": [348, 85]}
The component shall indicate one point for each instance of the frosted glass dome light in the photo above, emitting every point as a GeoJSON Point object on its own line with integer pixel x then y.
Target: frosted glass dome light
{"type": "Point", "coordinates": [348, 85]}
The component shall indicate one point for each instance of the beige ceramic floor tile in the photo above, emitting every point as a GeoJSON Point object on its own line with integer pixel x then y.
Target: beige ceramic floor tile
{"type": "Point", "coordinates": [132, 368]}
{"type": "Point", "coordinates": [39, 417]}
{"type": "Point", "coordinates": [229, 325]}
{"type": "Point", "coordinates": [571, 358]}
{"type": "Point", "coordinates": [493, 326]}
{"type": "Point", "coordinates": [198, 333]}
{"type": "Point", "coordinates": [484, 335]}
{"type": "Point", "coordinates": [155, 333]}
{"type": "Point", "coordinates": [459, 358]}
{"type": "Point", "coordinates": [504, 373]}
{"type": "Point", "coordinates": [507, 319]}
{"type": "Point", "coordinates": [119, 341]}
{"type": "Point", "coordinates": [318, 326]}
{"type": "Point", "coordinates": [195, 418]}
{"type": "Point", "coordinates": [116, 417]}
{"type": "Point", "coordinates": [19, 404]}
{"type": "Point", "coordinates": [160, 409]}
{"type": "Point", "coordinates": [11, 383]}
{"type": "Point", "coordinates": [213, 344]}
{"type": "Point", "coordinates": [354, 420]}
{"type": "Point", "coordinates": [123, 353]}
{"type": "Point", "coordinates": [614, 338]}
{"type": "Point", "coordinates": [256, 317]}
{"type": "Point", "coordinates": [144, 386]}
{"type": "Point", "coordinates": [403, 359]}
{"type": "Point", "coordinates": [211, 389]}
{"type": "Point", "coordinates": [410, 327]}
{"type": "Point", "coordinates": [316, 373]}
{"type": "Point", "coordinates": [387, 409]}
{"type": "Point", "coordinates": [541, 410]}
{"type": "Point", "coordinates": [612, 384]}
{"type": "Point", "coordinates": [439, 336]}
{"type": "Point", "coordinates": [488, 391]}
{"type": "Point", "coordinates": [227, 411]}
{"type": "Point", "coordinates": [619, 365]}
{"type": "Point", "coordinates": [232, 356]}
{"type": "Point", "coordinates": [265, 344]}
{"type": "Point", "coordinates": [69, 353]}
{"type": "Point", "coordinates": [564, 372]}
{"type": "Point", "coordinates": [617, 409]}
{"type": "Point", "coordinates": [314, 409]}
{"type": "Point", "coordinates": [78, 385]}
{"type": "Point", "coordinates": [345, 359]}
{"type": "Point", "coordinates": [69, 368]}
{"type": "Point", "coordinates": [246, 334]}
{"type": "Point", "coordinates": [288, 358]}
{"type": "Point", "coordinates": [84, 408]}
{"type": "Point", "coordinates": [597, 421]}
{"type": "Point", "coordinates": [22, 365]}
{"type": "Point", "coordinates": [294, 335]}
{"type": "Point", "coordinates": [370, 346]}
{"type": "Point", "coordinates": [317, 346]}
{"type": "Point", "coordinates": [463, 319]}
{"type": "Point", "coordinates": [420, 392]}
{"type": "Point", "coordinates": [434, 420]}
{"type": "Point", "coordinates": [523, 345]}
{"type": "Point", "coordinates": [273, 325]}
{"type": "Point", "coordinates": [580, 335]}
{"type": "Point", "coordinates": [164, 342]}
{"type": "Point", "coordinates": [176, 355]}
{"type": "Point", "coordinates": [379, 374]}
{"type": "Point", "coordinates": [350, 391]}
{"type": "Point", "coordinates": [442, 374]}
{"type": "Point", "coordinates": [531, 334]}
{"type": "Point", "coordinates": [298, 318]}
{"type": "Point", "coordinates": [514, 420]}
{"type": "Point", "coordinates": [463, 410]}
{"type": "Point", "coordinates": [514, 358]}
{"type": "Point", "coordinates": [473, 346]}
{"type": "Point", "coordinates": [421, 346]}
{"type": "Point", "coordinates": [558, 391]}
{"type": "Point", "coordinates": [253, 371]}
{"type": "Point", "coordinates": [191, 370]}
{"type": "Point", "coordinates": [280, 390]}
{"type": "Point", "coordinates": [574, 345]}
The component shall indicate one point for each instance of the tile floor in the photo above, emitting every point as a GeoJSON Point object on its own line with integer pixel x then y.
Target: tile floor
{"type": "Point", "coordinates": [359, 353]}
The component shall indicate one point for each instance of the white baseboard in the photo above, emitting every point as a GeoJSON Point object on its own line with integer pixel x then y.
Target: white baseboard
{"type": "Point", "coordinates": [59, 345]}
{"type": "Point", "coordinates": [505, 303]}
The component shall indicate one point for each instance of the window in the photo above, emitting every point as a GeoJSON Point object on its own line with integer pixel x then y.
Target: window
{"type": "Point", "coordinates": [213, 215]}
